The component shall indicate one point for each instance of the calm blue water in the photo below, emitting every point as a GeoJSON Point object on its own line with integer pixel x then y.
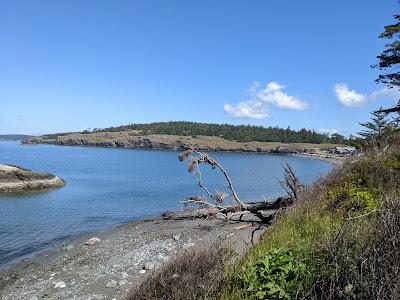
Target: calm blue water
{"type": "Point", "coordinates": [112, 186]}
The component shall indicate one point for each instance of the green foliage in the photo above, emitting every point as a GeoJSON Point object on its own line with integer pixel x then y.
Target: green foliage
{"type": "Point", "coordinates": [389, 60]}
{"type": "Point", "coordinates": [392, 161]}
{"type": "Point", "coordinates": [351, 198]}
{"type": "Point", "coordinates": [332, 232]}
{"type": "Point", "coordinates": [276, 276]}
{"type": "Point", "coordinates": [390, 57]}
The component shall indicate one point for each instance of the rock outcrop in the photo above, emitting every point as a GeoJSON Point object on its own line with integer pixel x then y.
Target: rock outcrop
{"type": "Point", "coordinates": [14, 179]}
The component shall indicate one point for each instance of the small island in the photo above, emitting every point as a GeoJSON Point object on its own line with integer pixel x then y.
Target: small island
{"type": "Point", "coordinates": [15, 179]}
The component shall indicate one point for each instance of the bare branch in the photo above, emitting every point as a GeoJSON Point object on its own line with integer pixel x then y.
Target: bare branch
{"type": "Point", "coordinates": [291, 184]}
{"type": "Point", "coordinates": [193, 166]}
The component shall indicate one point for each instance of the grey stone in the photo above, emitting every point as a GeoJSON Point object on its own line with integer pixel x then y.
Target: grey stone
{"type": "Point", "coordinates": [69, 247]}
{"type": "Point", "coordinates": [92, 241]}
{"type": "Point", "coordinates": [111, 283]}
{"type": "Point", "coordinates": [60, 284]}
{"type": "Point", "coordinates": [149, 266]}
{"type": "Point", "coordinates": [268, 213]}
{"type": "Point", "coordinates": [176, 237]}
{"type": "Point", "coordinates": [245, 216]}
{"type": "Point", "coordinates": [175, 276]}
{"type": "Point", "coordinates": [188, 245]}
{"type": "Point", "coordinates": [122, 282]}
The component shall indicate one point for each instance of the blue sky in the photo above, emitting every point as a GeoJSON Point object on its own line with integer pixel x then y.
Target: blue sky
{"type": "Point", "coordinates": [73, 65]}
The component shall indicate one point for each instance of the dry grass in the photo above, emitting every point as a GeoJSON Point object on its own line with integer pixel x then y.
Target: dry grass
{"type": "Point", "coordinates": [202, 142]}
{"type": "Point", "coordinates": [195, 273]}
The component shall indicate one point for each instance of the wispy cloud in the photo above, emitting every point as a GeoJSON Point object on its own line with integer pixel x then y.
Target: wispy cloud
{"type": "Point", "coordinates": [247, 110]}
{"type": "Point", "coordinates": [347, 97]}
{"type": "Point", "coordinates": [256, 107]}
{"type": "Point", "coordinates": [385, 93]}
{"type": "Point", "coordinates": [352, 98]}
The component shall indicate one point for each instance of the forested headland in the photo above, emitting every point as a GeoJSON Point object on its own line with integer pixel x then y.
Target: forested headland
{"type": "Point", "coordinates": [240, 133]}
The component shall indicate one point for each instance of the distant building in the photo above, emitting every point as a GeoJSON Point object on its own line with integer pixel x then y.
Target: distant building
{"type": "Point", "coordinates": [345, 150]}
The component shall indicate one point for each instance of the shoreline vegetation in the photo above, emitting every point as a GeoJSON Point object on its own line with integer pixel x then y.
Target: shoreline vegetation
{"type": "Point", "coordinates": [14, 179]}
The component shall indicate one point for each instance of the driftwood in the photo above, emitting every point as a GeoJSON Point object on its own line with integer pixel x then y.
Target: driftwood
{"type": "Point", "coordinates": [264, 211]}
{"type": "Point", "coordinates": [215, 205]}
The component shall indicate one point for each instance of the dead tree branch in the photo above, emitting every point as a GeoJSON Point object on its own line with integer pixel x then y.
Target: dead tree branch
{"type": "Point", "coordinates": [195, 159]}
{"type": "Point", "coordinates": [291, 184]}
{"type": "Point", "coordinates": [265, 211]}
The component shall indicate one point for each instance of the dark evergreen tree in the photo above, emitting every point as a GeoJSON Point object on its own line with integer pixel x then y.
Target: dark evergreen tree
{"type": "Point", "coordinates": [377, 126]}
{"type": "Point", "coordinates": [389, 60]}
{"type": "Point", "coordinates": [378, 132]}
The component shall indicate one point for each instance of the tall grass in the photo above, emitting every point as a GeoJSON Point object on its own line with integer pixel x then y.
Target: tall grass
{"type": "Point", "coordinates": [344, 233]}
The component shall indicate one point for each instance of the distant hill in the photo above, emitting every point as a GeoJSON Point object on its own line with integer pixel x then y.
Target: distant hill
{"type": "Point", "coordinates": [240, 133]}
{"type": "Point", "coordinates": [15, 137]}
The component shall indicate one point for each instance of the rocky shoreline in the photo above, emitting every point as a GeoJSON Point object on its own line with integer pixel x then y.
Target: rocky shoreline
{"type": "Point", "coordinates": [335, 160]}
{"type": "Point", "coordinates": [15, 179]}
{"type": "Point", "coordinates": [134, 140]}
{"type": "Point", "coordinates": [107, 265]}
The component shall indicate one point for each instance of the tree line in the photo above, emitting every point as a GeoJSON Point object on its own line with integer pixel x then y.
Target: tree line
{"type": "Point", "coordinates": [241, 133]}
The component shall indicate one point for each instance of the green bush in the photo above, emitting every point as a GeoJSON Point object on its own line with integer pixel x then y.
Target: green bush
{"type": "Point", "coordinates": [352, 197]}
{"type": "Point", "coordinates": [276, 276]}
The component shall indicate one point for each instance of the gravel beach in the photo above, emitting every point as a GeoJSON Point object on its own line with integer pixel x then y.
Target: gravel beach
{"type": "Point", "coordinates": [106, 265]}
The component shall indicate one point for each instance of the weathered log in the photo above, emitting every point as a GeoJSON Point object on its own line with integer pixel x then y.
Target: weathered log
{"type": "Point", "coordinates": [265, 211]}
{"type": "Point", "coordinates": [280, 202]}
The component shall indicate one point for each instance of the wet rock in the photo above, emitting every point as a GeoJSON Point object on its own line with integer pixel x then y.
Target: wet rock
{"type": "Point", "coordinates": [92, 241]}
{"type": "Point", "coordinates": [168, 215]}
{"type": "Point", "coordinates": [69, 247]}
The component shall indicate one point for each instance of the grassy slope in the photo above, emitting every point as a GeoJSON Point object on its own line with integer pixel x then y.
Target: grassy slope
{"type": "Point", "coordinates": [201, 141]}
{"type": "Point", "coordinates": [339, 241]}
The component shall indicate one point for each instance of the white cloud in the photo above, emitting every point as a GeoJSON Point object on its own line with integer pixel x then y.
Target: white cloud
{"type": "Point", "coordinates": [348, 97]}
{"type": "Point", "coordinates": [351, 98]}
{"type": "Point", "coordinates": [273, 93]}
{"type": "Point", "coordinates": [247, 110]}
{"type": "Point", "coordinates": [256, 108]}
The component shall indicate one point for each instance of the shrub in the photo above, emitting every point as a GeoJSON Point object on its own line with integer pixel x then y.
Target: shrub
{"type": "Point", "coordinates": [196, 273]}
{"type": "Point", "coordinates": [276, 276]}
